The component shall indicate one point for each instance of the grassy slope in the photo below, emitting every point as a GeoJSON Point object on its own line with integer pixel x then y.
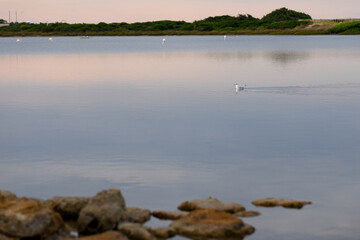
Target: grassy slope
{"type": "Point", "coordinates": [345, 28]}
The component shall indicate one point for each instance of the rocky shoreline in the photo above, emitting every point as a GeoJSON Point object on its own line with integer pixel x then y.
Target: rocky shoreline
{"type": "Point", "coordinates": [106, 216]}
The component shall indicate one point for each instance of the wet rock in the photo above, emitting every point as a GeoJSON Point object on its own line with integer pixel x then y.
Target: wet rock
{"type": "Point", "coordinates": [24, 218]}
{"type": "Point", "coordinates": [135, 231]}
{"type": "Point", "coordinates": [68, 207]}
{"type": "Point", "coordinates": [210, 223]}
{"type": "Point", "coordinates": [168, 215]}
{"type": "Point", "coordinates": [7, 194]}
{"type": "Point", "coordinates": [274, 202]}
{"type": "Point", "coordinates": [103, 212]}
{"type": "Point", "coordinates": [247, 214]}
{"type": "Point", "coordinates": [212, 203]}
{"type": "Point", "coordinates": [111, 235]}
{"type": "Point", "coordinates": [162, 233]}
{"type": "Point", "coordinates": [138, 215]}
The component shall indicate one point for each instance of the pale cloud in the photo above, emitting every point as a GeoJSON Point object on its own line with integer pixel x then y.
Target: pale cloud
{"type": "Point", "coordinates": [142, 10]}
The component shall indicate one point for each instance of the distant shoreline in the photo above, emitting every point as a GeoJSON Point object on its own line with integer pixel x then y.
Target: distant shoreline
{"type": "Point", "coordinates": [281, 21]}
{"type": "Point", "coordinates": [317, 27]}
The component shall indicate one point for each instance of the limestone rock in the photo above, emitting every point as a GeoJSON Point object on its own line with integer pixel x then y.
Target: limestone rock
{"type": "Point", "coordinates": [7, 194]}
{"type": "Point", "coordinates": [111, 235]}
{"type": "Point", "coordinates": [212, 203]}
{"type": "Point", "coordinates": [68, 207]}
{"type": "Point", "coordinates": [138, 215]}
{"type": "Point", "coordinates": [103, 212]}
{"type": "Point", "coordinates": [211, 223]}
{"type": "Point", "coordinates": [24, 218]}
{"type": "Point", "coordinates": [168, 215]}
{"type": "Point", "coordinates": [273, 202]}
{"type": "Point", "coordinates": [135, 231]}
{"type": "Point", "coordinates": [247, 214]}
{"type": "Point", "coordinates": [162, 233]}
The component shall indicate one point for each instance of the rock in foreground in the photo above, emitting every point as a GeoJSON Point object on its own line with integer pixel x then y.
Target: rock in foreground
{"type": "Point", "coordinates": [210, 223]}
{"type": "Point", "coordinates": [162, 233]}
{"type": "Point", "coordinates": [103, 212]}
{"type": "Point", "coordinates": [211, 203]}
{"type": "Point", "coordinates": [168, 215]}
{"type": "Point", "coordinates": [7, 194]}
{"type": "Point", "coordinates": [111, 235]}
{"type": "Point", "coordinates": [24, 218]}
{"type": "Point", "coordinates": [135, 231]}
{"type": "Point", "coordinates": [247, 214]}
{"type": "Point", "coordinates": [68, 207]}
{"type": "Point", "coordinates": [274, 202]}
{"type": "Point", "coordinates": [138, 215]}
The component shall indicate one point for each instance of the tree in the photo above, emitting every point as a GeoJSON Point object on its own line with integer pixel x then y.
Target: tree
{"type": "Point", "coordinates": [243, 17]}
{"type": "Point", "coordinates": [284, 14]}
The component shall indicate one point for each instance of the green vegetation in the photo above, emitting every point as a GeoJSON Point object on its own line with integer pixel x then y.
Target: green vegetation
{"type": "Point", "coordinates": [290, 24]}
{"type": "Point", "coordinates": [346, 28]}
{"type": "Point", "coordinates": [2, 21]}
{"type": "Point", "coordinates": [280, 21]}
{"type": "Point", "coordinates": [284, 14]}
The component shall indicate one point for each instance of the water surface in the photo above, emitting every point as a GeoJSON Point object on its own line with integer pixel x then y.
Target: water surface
{"type": "Point", "coordinates": [164, 124]}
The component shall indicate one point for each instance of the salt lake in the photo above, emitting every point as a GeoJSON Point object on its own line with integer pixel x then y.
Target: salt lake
{"type": "Point", "coordinates": [163, 123]}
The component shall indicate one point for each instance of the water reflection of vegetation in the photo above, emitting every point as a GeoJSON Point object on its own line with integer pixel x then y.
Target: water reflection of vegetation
{"type": "Point", "coordinates": [284, 57]}
{"type": "Point", "coordinates": [277, 57]}
{"type": "Point", "coordinates": [280, 19]}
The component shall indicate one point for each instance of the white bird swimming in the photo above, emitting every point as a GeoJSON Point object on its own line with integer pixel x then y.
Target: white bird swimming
{"type": "Point", "coordinates": [163, 41]}
{"type": "Point", "coordinates": [224, 37]}
{"type": "Point", "coordinates": [238, 88]}
{"type": "Point", "coordinates": [17, 40]}
{"type": "Point", "coordinates": [50, 39]}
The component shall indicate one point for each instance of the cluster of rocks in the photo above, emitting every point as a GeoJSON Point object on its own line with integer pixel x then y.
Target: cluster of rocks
{"type": "Point", "coordinates": [105, 216]}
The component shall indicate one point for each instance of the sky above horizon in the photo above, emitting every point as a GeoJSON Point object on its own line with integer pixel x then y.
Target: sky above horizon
{"type": "Point", "coordinates": [94, 11]}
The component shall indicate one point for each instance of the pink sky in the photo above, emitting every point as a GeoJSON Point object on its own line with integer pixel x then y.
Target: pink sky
{"type": "Point", "coordinates": [94, 11]}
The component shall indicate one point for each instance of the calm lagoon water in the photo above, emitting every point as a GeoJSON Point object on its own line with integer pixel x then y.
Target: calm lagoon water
{"type": "Point", "coordinates": [164, 124]}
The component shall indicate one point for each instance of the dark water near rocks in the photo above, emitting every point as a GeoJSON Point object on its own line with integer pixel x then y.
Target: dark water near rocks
{"type": "Point", "coordinates": [164, 124]}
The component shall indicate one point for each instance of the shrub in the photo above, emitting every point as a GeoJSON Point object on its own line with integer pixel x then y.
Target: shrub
{"type": "Point", "coordinates": [286, 24]}
{"type": "Point", "coordinates": [284, 14]}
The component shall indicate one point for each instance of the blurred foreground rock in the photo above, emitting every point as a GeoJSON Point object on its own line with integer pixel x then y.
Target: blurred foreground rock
{"type": "Point", "coordinates": [247, 214]}
{"type": "Point", "coordinates": [211, 223]}
{"type": "Point", "coordinates": [274, 202]}
{"type": "Point", "coordinates": [135, 231]}
{"type": "Point", "coordinates": [68, 207]}
{"type": "Point", "coordinates": [111, 235]}
{"type": "Point", "coordinates": [7, 194]}
{"type": "Point", "coordinates": [103, 213]}
{"type": "Point", "coordinates": [211, 203]}
{"type": "Point", "coordinates": [3, 237]}
{"type": "Point", "coordinates": [138, 215]}
{"type": "Point", "coordinates": [25, 218]}
{"type": "Point", "coordinates": [163, 232]}
{"type": "Point", "coordinates": [168, 215]}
